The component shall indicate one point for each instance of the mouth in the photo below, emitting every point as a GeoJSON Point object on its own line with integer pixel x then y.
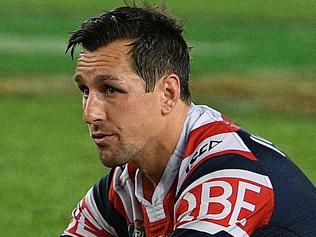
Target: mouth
{"type": "Point", "coordinates": [102, 139]}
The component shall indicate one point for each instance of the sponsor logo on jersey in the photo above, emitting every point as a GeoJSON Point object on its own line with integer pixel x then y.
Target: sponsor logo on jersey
{"type": "Point", "coordinates": [235, 201]}
{"type": "Point", "coordinates": [205, 147]}
{"type": "Point", "coordinates": [216, 145]}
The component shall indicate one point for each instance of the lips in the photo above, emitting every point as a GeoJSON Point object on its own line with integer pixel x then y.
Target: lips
{"type": "Point", "coordinates": [102, 139]}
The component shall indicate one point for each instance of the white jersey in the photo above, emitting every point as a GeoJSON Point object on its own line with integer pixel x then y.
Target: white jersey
{"type": "Point", "coordinates": [219, 181]}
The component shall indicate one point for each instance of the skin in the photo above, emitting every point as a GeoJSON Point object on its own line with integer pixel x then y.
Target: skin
{"type": "Point", "coordinates": [126, 123]}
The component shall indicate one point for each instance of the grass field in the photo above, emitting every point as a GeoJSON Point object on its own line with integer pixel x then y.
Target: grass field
{"type": "Point", "coordinates": [240, 37]}
{"type": "Point", "coordinates": [255, 61]}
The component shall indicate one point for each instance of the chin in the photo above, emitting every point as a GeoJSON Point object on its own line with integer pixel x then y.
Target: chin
{"type": "Point", "coordinates": [115, 157]}
{"type": "Point", "coordinates": [107, 162]}
{"type": "Point", "coordinates": [110, 161]}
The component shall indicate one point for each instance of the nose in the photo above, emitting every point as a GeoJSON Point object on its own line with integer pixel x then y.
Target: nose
{"type": "Point", "coordinates": [93, 109]}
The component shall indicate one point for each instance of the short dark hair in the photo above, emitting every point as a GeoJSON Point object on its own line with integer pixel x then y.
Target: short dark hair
{"type": "Point", "coordinates": [158, 47]}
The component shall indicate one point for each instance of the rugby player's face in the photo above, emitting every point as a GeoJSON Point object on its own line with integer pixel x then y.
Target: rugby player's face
{"type": "Point", "coordinates": [123, 120]}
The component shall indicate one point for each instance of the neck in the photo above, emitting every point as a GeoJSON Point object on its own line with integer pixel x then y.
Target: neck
{"type": "Point", "coordinates": [153, 163]}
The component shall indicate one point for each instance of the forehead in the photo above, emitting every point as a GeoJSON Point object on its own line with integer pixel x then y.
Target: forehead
{"type": "Point", "coordinates": [113, 58]}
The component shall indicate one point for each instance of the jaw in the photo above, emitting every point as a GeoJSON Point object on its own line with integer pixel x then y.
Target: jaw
{"type": "Point", "coordinates": [118, 154]}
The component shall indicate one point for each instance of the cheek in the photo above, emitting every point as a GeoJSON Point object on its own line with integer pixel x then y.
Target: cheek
{"type": "Point", "coordinates": [146, 113]}
{"type": "Point", "coordinates": [139, 113]}
{"type": "Point", "coordinates": [136, 120]}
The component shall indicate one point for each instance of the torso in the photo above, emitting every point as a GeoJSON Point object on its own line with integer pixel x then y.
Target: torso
{"type": "Point", "coordinates": [219, 179]}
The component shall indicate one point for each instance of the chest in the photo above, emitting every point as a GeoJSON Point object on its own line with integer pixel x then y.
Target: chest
{"type": "Point", "coordinates": [150, 218]}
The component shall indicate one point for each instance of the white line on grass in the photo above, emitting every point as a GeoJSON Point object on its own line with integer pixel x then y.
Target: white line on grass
{"type": "Point", "coordinates": [218, 49]}
{"type": "Point", "coordinates": [26, 44]}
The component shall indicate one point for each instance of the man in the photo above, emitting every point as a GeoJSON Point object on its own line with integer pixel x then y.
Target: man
{"type": "Point", "coordinates": [178, 169]}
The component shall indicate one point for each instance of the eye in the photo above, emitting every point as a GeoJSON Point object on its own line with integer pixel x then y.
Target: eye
{"type": "Point", "coordinates": [85, 91]}
{"type": "Point", "coordinates": [109, 90]}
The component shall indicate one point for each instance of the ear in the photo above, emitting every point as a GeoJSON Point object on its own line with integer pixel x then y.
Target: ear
{"type": "Point", "coordinates": [170, 86]}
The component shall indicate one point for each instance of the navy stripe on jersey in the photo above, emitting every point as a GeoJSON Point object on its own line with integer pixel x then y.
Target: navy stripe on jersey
{"type": "Point", "coordinates": [106, 208]}
{"type": "Point", "coordinates": [194, 233]}
{"type": "Point", "coordinates": [228, 161]}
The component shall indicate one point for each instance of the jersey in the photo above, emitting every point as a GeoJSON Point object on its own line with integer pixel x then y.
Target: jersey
{"type": "Point", "coordinates": [220, 181]}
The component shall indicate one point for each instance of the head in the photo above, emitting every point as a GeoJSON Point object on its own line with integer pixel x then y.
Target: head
{"type": "Point", "coordinates": [133, 72]}
{"type": "Point", "coordinates": [157, 46]}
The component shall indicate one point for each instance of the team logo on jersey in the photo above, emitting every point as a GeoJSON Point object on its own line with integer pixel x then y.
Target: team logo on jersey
{"type": "Point", "coordinates": [136, 229]}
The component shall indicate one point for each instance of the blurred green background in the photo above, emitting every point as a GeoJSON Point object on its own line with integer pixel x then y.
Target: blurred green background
{"type": "Point", "coordinates": [255, 61]}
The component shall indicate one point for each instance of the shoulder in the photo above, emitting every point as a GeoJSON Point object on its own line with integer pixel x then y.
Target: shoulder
{"type": "Point", "coordinates": [95, 215]}
{"type": "Point", "coordinates": [230, 180]}
{"type": "Point", "coordinates": [105, 202]}
{"type": "Point", "coordinates": [104, 211]}
{"type": "Point", "coordinates": [112, 196]}
{"type": "Point", "coordinates": [209, 139]}
{"type": "Point", "coordinates": [221, 183]}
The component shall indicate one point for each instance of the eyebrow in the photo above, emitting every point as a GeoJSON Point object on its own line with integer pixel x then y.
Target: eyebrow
{"type": "Point", "coordinates": [97, 79]}
{"type": "Point", "coordinates": [102, 78]}
{"type": "Point", "coordinates": [78, 78]}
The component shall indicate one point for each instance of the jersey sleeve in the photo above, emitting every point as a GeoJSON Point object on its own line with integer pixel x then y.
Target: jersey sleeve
{"type": "Point", "coordinates": [226, 195]}
{"type": "Point", "coordinates": [95, 215]}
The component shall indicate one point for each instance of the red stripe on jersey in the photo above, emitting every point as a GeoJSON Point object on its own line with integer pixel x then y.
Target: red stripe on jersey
{"type": "Point", "coordinates": [214, 128]}
{"type": "Point", "coordinates": [245, 154]}
{"type": "Point", "coordinates": [131, 171]}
